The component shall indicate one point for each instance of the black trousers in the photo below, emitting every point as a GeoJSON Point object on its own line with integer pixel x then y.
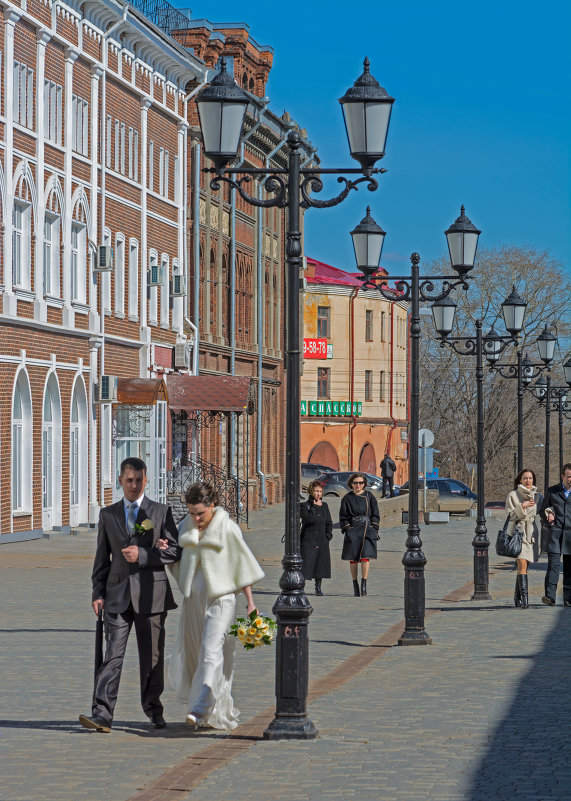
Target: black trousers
{"type": "Point", "coordinates": [391, 486]}
{"type": "Point", "coordinates": [552, 576]}
{"type": "Point", "coordinates": [150, 631]}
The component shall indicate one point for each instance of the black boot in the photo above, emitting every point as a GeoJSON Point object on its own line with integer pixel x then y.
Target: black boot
{"type": "Point", "coordinates": [522, 581]}
{"type": "Point", "coordinates": [318, 587]}
{"type": "Point", "coordinates": [517, 594]}
{"type": "Point", "coordinates": [356, 592]}
{"type": "Point", "coordinates": [363, 586]}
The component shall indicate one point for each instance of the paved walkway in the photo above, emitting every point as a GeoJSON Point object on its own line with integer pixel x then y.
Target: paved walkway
{"type": "Point", "coordinates": [480, 714]}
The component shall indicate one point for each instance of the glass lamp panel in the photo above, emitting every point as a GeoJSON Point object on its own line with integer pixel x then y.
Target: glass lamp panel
{"type": "Point", "coordinates": [455, 242]}
{"type": "Point", "coordinates": [567, 369]}
{"type": "Point", "coordinates": [375, 248]}
{"type": "Point", "coordinates": [443, 314]}
{"type": "Point", "coordinates": [232, 120]}
{"type": "Point", "coordinates": [210, 124]}
{"type": "Point", "coordinates": [377, 117]}
{"type": "Point", "coordinates": [354, 114]}
{"type": "Point", "coordinates": [470, 247]}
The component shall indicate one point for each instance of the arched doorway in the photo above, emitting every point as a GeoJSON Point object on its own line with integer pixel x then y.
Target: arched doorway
{"type": "Point", "coordinates": [51, 456]}
{"type": "Point", "coordinates": [367, 461]}
{"type": "Point", "coordinates": [78, 460]}
{"type": "Point", "coordinates": [324, 453]}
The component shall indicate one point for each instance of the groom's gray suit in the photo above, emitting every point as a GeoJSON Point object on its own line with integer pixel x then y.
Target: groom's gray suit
{"type": "Point", "coordinates": [133, 593]}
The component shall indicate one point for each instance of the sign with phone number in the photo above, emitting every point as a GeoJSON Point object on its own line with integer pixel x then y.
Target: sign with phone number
{"type": "Point", "coordinates": [314, 348]}
{"type": "Point", "coordinates": [331, 409]}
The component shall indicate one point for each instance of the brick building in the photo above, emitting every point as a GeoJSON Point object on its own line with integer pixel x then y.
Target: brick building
{"type": "Point", "coordinates": [355, 397]}
{"type": "Point", "coordinates": [99, 154]}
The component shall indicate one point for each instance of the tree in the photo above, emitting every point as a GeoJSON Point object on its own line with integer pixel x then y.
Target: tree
{"type": "Point", "coordinates": [448, 381]}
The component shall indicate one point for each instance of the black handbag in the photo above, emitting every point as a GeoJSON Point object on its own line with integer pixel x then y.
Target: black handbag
{"type": "Point", "coordinates": [506, 544]}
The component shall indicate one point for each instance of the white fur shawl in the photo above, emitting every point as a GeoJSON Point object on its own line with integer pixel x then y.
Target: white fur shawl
{"type": "Point", "coordinates": [227, 562]}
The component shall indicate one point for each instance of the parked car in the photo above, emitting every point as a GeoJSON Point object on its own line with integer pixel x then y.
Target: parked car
{"type": "Point", "coordinates": [453, 496]}
{"type": "Point", "coordinates": [336, 483]}
{"type": "Point", "coordinates": [310, 471]}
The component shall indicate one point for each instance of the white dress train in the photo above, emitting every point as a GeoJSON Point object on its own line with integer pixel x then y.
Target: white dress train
{"type": "Point", "coordinates": [201, 667]}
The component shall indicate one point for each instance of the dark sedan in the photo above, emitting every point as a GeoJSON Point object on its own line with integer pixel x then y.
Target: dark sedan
{"type": "Point", "coordinates": [453, 496]}
{"type": "Point", "coordinates": [336, 484]}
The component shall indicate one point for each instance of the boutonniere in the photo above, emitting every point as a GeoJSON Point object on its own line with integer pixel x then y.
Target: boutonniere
{"type": "Point", "coordinates": [144, 527]}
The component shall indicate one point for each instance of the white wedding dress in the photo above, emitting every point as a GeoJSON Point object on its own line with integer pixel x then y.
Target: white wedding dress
{"type": "Point", "coordinates": [201, 668]}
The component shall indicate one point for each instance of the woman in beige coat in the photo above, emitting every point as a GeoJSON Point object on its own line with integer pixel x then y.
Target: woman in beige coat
{"type": "Point", "coordinates": [522, 506]}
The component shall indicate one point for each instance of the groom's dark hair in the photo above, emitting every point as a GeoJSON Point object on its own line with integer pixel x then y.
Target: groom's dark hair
{"type": "Point", "coordinates": [134, 463]}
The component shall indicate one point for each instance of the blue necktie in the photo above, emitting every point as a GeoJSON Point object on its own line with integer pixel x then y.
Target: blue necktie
{"type": "Point", "coordinates": [131, 517]}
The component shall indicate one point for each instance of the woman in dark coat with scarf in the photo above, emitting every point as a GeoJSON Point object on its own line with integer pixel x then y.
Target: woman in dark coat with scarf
{"type": "Point", "coordinates": [316, 532]}
{"type": "Point", "coordinates": [359, 518]}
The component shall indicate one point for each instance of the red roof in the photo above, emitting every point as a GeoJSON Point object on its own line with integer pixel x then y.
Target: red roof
{"type": "Point", "coordinates": [321, 273]}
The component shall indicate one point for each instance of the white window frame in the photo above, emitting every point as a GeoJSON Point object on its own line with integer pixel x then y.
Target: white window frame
{"type": "Point", "coordinates": [133, 290]}
{"type": "Point", "coordinates": [22, 444]}
{"type": "Point", "coordinates": [78, 262]}
{"type": "Point", "coordinates": [161, 170]}
{"type": "Point", "coordinates": [109, 141]}
{"type": "Point", "coordinates": [23, 103]}
{"type": "Point", "coordinates": [53, 112]}
{"type": "Point", "coordinates": [51, 254]}
{"type": "Point", "coordinates": [122, 163]}
{"type": "Point", "coordinates": [165, 291]}
{"type": "Point", "coordinates": [21, 244]}
{"type": "Point", "coordinates": [117, 141]}
{"type": "Point", "coordinates": [136, 156]}
{"type": "Point", "coordinates": [153, 291]}
{"type": "Point", "coordinates": [80, 125]}
{"type": "Point", "coordinates": [119, 262]}
{"type": "Point", "coordinates": [131, 163]}
{"type": "Point", "coordinates": [151, 165]}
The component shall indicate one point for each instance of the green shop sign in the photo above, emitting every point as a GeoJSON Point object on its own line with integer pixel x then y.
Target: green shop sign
{"type": "Point", "coordinates": [331, 409]}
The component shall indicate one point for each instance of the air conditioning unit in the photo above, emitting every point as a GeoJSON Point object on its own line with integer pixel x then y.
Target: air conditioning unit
{"type": "Point", "coordinates": [178, 286]}
{"type": "Point", "coordinates": [182, 355]}
{"type": "Point", "coordinates": [155, 275]}
{"type": "Point", "coordinates": [107, 392]}
{"type": "Point", "coordinates": [103, 259]}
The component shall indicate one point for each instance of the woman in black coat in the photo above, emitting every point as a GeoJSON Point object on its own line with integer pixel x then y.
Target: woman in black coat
{"type": "Point", "coordinates": [359, 518]}
{"type": "Point", "coordinates": [316, 532]}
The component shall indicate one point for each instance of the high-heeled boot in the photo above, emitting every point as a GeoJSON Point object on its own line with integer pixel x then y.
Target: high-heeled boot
{"type": "Point", "coordinates": [318, 590]}
{"type": "Point", "coordinates": [517, 594]}
{"type": "Point", "coordinates": [356, 592]}
{"type": "Point", "coordinates": [363, 586]}
{"type": "Point", "coordinates": [522, 581]}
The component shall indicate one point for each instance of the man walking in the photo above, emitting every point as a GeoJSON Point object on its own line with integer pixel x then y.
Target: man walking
{"type": "Point", "coordinates": [388, 470]}
{"type": "Point", "coordinates": [131, 586]}
{"type": "Point", "coordinates": [556, 513]}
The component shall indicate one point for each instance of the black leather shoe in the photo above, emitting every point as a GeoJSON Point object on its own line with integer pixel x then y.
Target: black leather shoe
{"type": "Point", "coordinates": [94, 723]}
{"type": "Point", "coordinates": [356, 592]}
{"type": "Point", "coordinates": [158, 722]}
{"type": "Point", "coordinates": [566, 603]}
{"type": "Point", "coordinates": [547, 601]}
{"type": "Point", "coordinates": [363, 586]}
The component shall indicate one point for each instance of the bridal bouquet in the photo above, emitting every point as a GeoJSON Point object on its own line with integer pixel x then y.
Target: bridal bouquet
{"type": "Point", "coordinates": [254, 630]}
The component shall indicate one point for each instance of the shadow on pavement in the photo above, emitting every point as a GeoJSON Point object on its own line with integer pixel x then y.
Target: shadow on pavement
{"type": "Point", "coordinates": [528, 755]}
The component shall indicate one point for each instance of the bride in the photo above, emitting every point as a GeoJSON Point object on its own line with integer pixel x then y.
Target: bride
{"type": "Point", "coordinates": [215, 564]}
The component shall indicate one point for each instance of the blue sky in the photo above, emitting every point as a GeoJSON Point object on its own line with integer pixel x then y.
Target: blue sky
{"type": "Point", "coordinates": [482, 115]}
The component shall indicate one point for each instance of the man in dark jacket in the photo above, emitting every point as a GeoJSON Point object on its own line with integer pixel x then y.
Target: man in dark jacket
{"type": "Point", "coordinates": [556, 513]}
{"type": "Point", "coordinates": [131, 586]}
{"type": "Point", "coordinates": [388, 470]}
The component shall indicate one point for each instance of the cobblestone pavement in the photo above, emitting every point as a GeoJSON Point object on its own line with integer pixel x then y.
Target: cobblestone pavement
{"type": "Point", "coordinates": [480, 714]}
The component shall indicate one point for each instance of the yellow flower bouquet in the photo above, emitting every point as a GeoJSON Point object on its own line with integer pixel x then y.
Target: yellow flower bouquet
{"type": "Point", "coordinates": [253, 631]}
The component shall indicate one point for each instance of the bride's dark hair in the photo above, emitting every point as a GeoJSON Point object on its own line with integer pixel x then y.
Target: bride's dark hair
{"type": "Point", "coordinates": [202, 492]}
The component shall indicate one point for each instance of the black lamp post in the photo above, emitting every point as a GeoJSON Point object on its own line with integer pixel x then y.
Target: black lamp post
{"type": "Point", "coordinates": [524, 371]}
{"type": "Point", "coordinates": [366, 109]}
{"type": "Point", "coordinates": [462, 242]}
{"type": "Point", "coordinates": [513, 309]}
{"type": "Point", "coordinates": [554, 399]}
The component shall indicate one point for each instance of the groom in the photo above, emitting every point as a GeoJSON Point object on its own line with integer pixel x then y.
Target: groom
{"type": "Point", "coordinates": [131, 586]}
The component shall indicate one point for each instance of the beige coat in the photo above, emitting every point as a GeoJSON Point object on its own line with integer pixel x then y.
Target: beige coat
{"type": "Point", "coordinates": [227, 562]}
{"type": "Point", "coordinates": [523, 519]}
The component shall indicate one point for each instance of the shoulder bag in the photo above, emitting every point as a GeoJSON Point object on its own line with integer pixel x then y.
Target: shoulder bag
{"type": "Point", "coordinates": [507, 545]}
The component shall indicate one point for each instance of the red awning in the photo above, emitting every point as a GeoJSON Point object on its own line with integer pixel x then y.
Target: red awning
{"type": "Point", "coordinates": [210, 393]}
{"type": "Point", "coordinates": [141, 391]}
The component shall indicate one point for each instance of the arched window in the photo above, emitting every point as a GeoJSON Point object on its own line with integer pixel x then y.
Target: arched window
{"type": "Point", "coordinates": [367, 460]}
{"type": "Point", "coordinates": [78, 254]}
{"type": "Point", "coordinates": [165, 290]}
{"type": "Point", "coordinates": [324, 453]}
{"type": "Point", "coordinates": [22, 228]}
{"type": "Point", "coordinates": [120, 274]}
{"type": "Point", "coordinates": [51, 455]}
{"type": "Point", "coordinates": [52, 238]}
{"type": "Point", "coordinates": [78, 461]}
{"type": "Point", "coordinates": [251, 85]}
{"type": "Point", "coordinates": [22, 438]}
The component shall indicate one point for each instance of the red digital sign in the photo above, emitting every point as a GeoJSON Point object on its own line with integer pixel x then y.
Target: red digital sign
{"type": "Point", "coordinates": [314, 348]}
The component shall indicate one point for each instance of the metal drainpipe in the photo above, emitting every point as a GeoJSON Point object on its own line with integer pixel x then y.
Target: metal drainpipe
{"type": "Point", "coordinates": [351, 371]}
{"type": "Point", "coordinates": [391, 409]}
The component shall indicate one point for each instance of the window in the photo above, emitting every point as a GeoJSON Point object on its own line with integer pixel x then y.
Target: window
{"type": "Point", "coordinates": [323, 375]}
{"type": "Point", "coordinates": [163, 172]}
{"type": "Point", "coordinates": [383, 329]}
{"type": "Point", "coordinates": [120, 274]}
{"type": "Point", "coordinates": [108, 153]}
{"type": "Point", "coordinates": [122, 159]}
{"type": "Point", "coordinates": [382, 386]}
{"type": "Point", "coordinates": [133, 308]}
{"type": "Point", "coordinates": [368, 325]}
{"type": "Point", "coordinates": [131, 139]}
{"type": "Point", "coordinates": [51, 254]}
{"type": "Point", "coordinates": [117, 144]}
{"type": "Point", "coordinates": [153, 292]}
{"type": "Point", "coordinates": [21, 445]}
{"type": "Point", "coordinates": [23, 95]}
{"type": "Point", "coordinates": [21, 238]}
{"type": "Point", "coordinates": [323, 319]}
{"type": "Point", "coordinates": [78, 277]}
{"type": "Point", "coordinates": [165, 291]}
{"type": "Point", "coordinates": [79, 125]}
{"type": "Point", "coordinates": [53, 112]}
{"type": "Point", "coordinates": [368, 385]}
{"type": "Point", "coordinates": [151, 165]}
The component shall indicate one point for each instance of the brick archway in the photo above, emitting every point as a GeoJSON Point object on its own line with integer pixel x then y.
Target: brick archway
{"type": "Point", "coordinates": [367, 460]}
{"type": "Point", "coordinates": [324, 453]}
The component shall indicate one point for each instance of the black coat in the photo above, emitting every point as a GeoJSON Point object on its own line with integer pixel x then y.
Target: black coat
{"type": "Point", "coordinates": [559, 536]}
{"type": "Point", "coordinates": [316, 531]}
{"type": "Point", "coordinates": [359, 537]}
{"type": "Point", "coordinates": [388, 467]}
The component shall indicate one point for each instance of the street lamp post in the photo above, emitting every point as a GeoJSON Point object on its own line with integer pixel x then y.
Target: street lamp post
{"type": "Point", "coordinates": [462, 242]}
{"type": "Point", "coordinates": [492, 345]}
{"type": "Point", "coordinates": [554, 398]}
{"type": "Point", "coordinates": [366, 109]}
